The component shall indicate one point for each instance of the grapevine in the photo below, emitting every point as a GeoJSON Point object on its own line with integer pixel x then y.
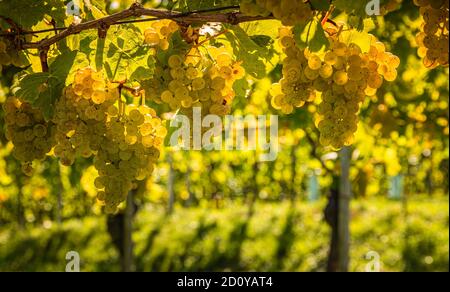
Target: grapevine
{"type": "Point", "coordinates": [179, 69]}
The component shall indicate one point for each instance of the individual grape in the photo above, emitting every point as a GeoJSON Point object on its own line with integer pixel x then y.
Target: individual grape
{"type": "Point", "coordinates": [340, 77]}
{"type": "Point", "coordinates": [314, 62]}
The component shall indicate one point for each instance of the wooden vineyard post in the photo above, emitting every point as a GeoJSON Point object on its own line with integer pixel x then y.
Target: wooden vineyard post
{"type": "Point", "coordinates": [345, 194]}
{"type": "Point", "coordinates": [128, 235]}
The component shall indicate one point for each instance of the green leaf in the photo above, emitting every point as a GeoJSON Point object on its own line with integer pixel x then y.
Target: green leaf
{"type": "Point", "coordinates": [121, 54]}
{"type": "Point", "coordinates": [362, 39]}
{"type": "Point", "coordinates": [267, 27]}
{"type": "Point", "coordinates": [28, 13]}
{"type": "Point", "coordinates": [241, 87]}
{"type": "Point", "coordinates": [357, 8]}
{"type": "Point", "coordinates": [311, 35]}
{"type": "Point", "coordinates": [253, 56]}
{"type": "Point", "coordinates": [97, 8]}
{"type": "Point", "coordinates": [28, 85]}
{"type": "Point", "coordinates": [141, 68]}
{"type": "Point", "coordinates": [321, 5]}
{"type": "Point", "coordinates": [262, 40]}
{"type": "Point", "coordinates": [61, 65]}
{"type": "Point", "coordinates": [41, 90]}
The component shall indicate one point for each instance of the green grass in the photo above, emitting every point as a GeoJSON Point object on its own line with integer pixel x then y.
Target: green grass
{"type": "Point", "coordinates": [276, 237]}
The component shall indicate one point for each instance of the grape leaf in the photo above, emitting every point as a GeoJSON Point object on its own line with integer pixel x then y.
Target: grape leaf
{"type": "Point", "coordinates": [311, 35]}
{"type": "Point", "coordinates": [126, 54]}
{"type": "Point", "coordinates": [254, 57]}
{"type": "Point", "coordinates": [262, 40]}
{"type": "Point", "coordinates": [362, 39]}
{"type": "Point", "coordinates": [357, 8]}
{"type": "Point", "coordinates": [36, 11]}
{"type": "Point", "coordinates": [267, 27]}
{"type": "Point", "coordinates": [122, 54]}
{"type": "Point", "coordinates": [62, 65]}
{"type": "Point", "coordinates": [42, 90]}
{"type": "Point", "coordinates": [241, 87]}
{"type": "Point", "coordinates": [95, 9]}
{"type": "Point", "coordinates": [320, 5]}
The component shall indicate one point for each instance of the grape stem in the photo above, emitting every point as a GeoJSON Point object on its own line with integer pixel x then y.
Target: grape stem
{"type": "Point", "coordinates": [136, 91]}
{"type": "Point", "coordinates": [135, 11]}
{"type": "Point", "coordinates": [326, 18]}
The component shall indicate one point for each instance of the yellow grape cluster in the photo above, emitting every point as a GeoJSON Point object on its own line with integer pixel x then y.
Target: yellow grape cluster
{"type": "Point", "coordinates": [81, 114]}
{"type": "Point", "coordinates": [290, 12]}
{"type": "Point", "coordinates": [433, 39]}
{"type": "Point", "coordinates": [125, 140]}
{"type": "Point", "coordinates": [159, 33]}
{"type": "Point", "coordinates": [344, 76]}
{"type": "Point", "coordinates": [9, 56]}
{"type": "Point", "coordinates": [183, 84]}
{"type": "Point", "coordinates": [30, 134]}
{"type": "Point", "coordinates": [297, 85]}
{"type": "Point", "coordinates": [128, 152]}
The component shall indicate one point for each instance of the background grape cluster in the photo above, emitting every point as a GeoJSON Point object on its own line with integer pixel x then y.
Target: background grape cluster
{"type": "Point", "coordinates": [433, 39]}
{"type": "Point", "coordinates": [343, 75]}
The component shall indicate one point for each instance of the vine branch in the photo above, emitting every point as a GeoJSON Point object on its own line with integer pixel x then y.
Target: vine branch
{"type": "Point", "coordinates": [137, 10]}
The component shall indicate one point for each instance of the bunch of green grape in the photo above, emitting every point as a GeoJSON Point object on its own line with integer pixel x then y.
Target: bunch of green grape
{"type": "Point", "coordinates": [297, 85]}
{"type": "Point", "coordinates": [9, 56]}
{"type": "Point", "coordinates": [290, 12]}
{"type": "Point", "coordinates": [81, 114]}
{"type": "Point", "coordinates": [30, 134]}
{"type": "Point", "coordinates": [433, 39]}
{"type": "Point", "coordinates": [128, 152]}
{"type": "Point", "coordinates": [343, 75]}
{"type": "Point", "coordinates": [158, 35]}
{"type": "Point", "coordinates": [125, 140]}
{"type": "Point", "coordinates": [182, 83]}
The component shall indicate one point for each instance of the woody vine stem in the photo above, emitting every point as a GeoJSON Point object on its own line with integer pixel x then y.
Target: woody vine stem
{"type": "Point", "coordinates": [135, 11]}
